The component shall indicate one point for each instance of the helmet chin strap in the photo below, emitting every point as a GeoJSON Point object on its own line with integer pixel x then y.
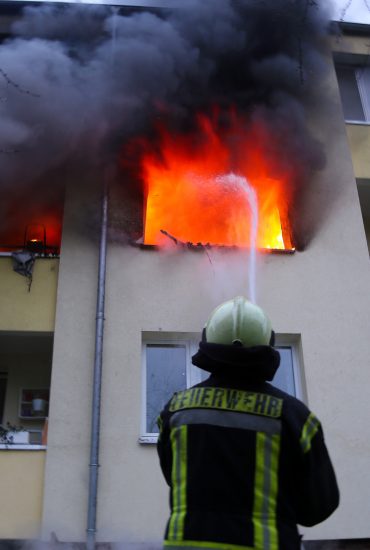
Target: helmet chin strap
{"type": "Point", "coordinates": [272, 339]}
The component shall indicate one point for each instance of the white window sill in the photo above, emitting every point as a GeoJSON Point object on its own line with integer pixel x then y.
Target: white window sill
{"type": "Point", "coordinates": [358, 122]}
{"type": "Point", "coordinates": [20, 447]}
{"type": "Point", "coordinates": [148, 439]}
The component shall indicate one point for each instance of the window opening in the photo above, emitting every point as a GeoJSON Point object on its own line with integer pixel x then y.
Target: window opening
{"type": "Point", "coordinates": [354, 83]}
{"type": "Point", "coordinates": [167, 368]}
{"type": "Point", "coordinates": [192, 168]}
{"type": "Point", "coordinates": [32, 220]}
{"type": "Point", "coordinates": [24, 387]}
{"type": "Point", "coordinates": [166, 373]}
{"type": "Point", "coordinates": [3, 382]}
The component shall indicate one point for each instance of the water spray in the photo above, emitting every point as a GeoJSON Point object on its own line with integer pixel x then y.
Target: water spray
{"type": "Point", "coordinates": [242, 183]}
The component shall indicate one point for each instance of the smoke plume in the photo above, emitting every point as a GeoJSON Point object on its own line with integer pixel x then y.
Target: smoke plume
{"type": "Point", "coordinates": [78, 82]}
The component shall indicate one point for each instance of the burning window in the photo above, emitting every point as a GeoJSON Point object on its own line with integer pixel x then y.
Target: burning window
{"type": "Point", "coordinates": [31, 218]}
{"type": "Point", "coordinates": [218, 186]}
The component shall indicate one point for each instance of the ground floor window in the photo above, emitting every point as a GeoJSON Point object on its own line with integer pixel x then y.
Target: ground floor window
{"type": "Point", "coordinates": [167, 367]}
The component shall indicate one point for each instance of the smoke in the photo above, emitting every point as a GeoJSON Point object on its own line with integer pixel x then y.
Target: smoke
{"type": "Point", "coordinates": [77, 82]}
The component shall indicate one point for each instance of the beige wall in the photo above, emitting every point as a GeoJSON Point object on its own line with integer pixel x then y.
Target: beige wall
{"type": "Point", "coordinates": [21, 495]}
{"type": "Point", "coordinates": [359, 142]}
{"type": "Point", "coordinates": [321, 294]}
{"type": "Point", "coordinates": [66, 482]}
{"type": "Point", "coordinates": [351, 44]}
{"type": "Point", "coordinates": [24, 310]}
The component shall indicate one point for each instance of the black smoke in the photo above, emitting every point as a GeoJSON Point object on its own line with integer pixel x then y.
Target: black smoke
{"type": "Point", "coordinates": [77, 82]}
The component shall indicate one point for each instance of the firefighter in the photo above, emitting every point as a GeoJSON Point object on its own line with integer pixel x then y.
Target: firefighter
{"type": "Point", "coordinates": [245, 462]}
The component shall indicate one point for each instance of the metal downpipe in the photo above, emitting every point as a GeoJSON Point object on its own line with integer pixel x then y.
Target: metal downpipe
{"type": "Point", "coordinates": [96, 399]}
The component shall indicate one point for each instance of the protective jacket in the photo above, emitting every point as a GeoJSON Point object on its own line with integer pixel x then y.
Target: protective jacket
{"type": "Point", "coordinates": [245, 462]}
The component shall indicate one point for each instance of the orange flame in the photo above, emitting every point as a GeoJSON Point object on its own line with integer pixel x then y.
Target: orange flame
{"type": "Point", "coordinates": [187, 197]}
{"type": "Point", "coordinates": [28, 211]}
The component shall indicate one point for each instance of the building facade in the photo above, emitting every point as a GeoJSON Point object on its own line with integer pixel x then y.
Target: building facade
{"type": "Point", "coordinates": [156, 303]}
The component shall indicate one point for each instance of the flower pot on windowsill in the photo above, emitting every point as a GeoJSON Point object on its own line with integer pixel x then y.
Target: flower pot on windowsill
{"type": "Point", "coordinates": [14, 436]}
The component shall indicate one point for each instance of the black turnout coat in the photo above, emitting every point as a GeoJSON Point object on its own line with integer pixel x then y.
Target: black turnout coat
{"type": "Point", "coordinates": [245, 462]}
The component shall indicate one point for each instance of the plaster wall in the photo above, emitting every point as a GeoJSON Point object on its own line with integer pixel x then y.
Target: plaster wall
{"type": "Point", "coordinates": [321, 294]}
{"type": "Point", "coordinates": [21, 507]}
{"type": "Point", "coordinates": [359, 142]}
{"type": "Point", "coordinates": [24, 310]}
{"type": "Point", "coordinates": [351, 44]}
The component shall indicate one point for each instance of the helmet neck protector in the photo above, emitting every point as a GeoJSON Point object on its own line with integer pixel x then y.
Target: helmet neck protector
{"type": "Point", "coordinates": [257, 363]}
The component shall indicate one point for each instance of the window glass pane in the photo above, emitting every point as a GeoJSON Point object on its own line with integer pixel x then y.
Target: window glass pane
{"type": "Point", "coordinates": [363, 82]}
{"type": "Point", "coordinates": [349, 93]}
{"type": "Point", "coordinates": [166, 373]}
{"type": "Point", "coordinates": [284, 377]}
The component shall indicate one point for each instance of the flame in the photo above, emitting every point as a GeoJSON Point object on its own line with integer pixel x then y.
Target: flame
{"type": "Point", "coordinates": [188, 197]}
{"type": "Point", "coordinates": [28, 212]}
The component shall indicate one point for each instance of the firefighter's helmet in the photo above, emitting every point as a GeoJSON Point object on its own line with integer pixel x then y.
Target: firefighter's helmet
{"type": "Point", "coordinates": [239, 322]}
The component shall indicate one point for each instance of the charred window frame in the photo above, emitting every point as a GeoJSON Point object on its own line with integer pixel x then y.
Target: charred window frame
{"type": "Point", "coordinates": [167, 367]}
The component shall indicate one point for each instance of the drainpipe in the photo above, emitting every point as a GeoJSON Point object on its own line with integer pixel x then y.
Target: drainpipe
{"type": "Point", "coordinates": [95, 417]}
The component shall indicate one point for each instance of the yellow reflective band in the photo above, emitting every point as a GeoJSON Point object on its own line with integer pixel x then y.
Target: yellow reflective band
{"type": "Point", "coordinates": [274, 469]}
{"type": "Point", "coordinates": [309, 430]}
{"type": "Point", "coordinates": [258, 490]}
{"type": "Point", "coordinates": [195, 544]}
{"type": "Point", "coordinates": [265, 491]}
{"type": "Point", "coordinates": [227, 399]}
{"type": "Point", "coordinates": [179, 474]}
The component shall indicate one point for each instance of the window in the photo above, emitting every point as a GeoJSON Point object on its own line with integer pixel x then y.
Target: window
{"type": "Point", "coordinates": [31, 219]}
{"type": "Point", "coordinates": [288, 377]}
{"type": "Point", "coordinates": [3, 380]}
{"type": "Point", "coordinates": [167, 368]}
{"type": "Point", "coordinates": [26, 359]}
{"type": "Point", "coordinates": [354, 86]}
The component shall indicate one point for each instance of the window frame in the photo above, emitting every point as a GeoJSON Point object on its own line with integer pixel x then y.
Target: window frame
{"type": "Point", "coordinates": [193, 374]}
{"type": "Point", "coordinates": [190, 341]}
{"type": "Point", "coordinates": [358, 70]}
{"type": "Point", "coordinates": [3, 390]}
{"type": "Point", "coordinates": [293, 341]}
